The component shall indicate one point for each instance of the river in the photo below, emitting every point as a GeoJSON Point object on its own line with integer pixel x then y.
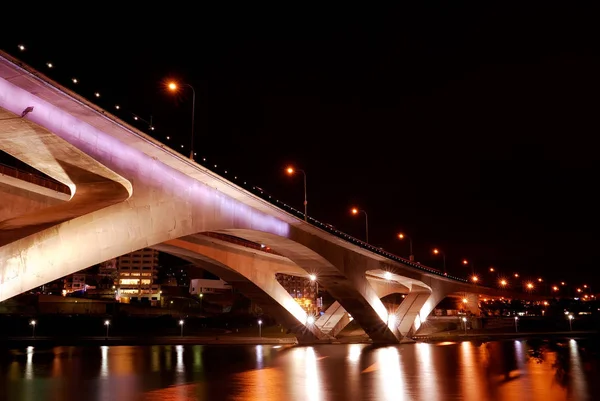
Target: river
{"type": "Point", "coordinates": [509, 370]}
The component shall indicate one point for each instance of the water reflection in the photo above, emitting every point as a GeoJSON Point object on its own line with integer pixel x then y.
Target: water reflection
{"type": "Point", "coordinates": [391, 383]}
{"type": "Point", "coordinates": [523, 370]}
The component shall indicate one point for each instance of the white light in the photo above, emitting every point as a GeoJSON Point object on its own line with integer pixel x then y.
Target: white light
{"type": "Point", "coordinates": [260, 322]}
{"type": "Point", "coordinates": [464, 319]}
{"type": "Point", "coordinates": [106, 322]}
{"type": "Point", "coordinates": [312, 277]}
{"type": "Point", "coordinates": [181, 322]}
{"type": "Point", "coordinates": [75, 80]}
{"type": "Point", "coordinates": [182, 146]}
{"type": "Point", "coordinates": [117, 107]}
{"type": "Point", "coordinates": [392, 321]}
{"type": "Point", "coordinates": [33, 322]}
{"type": "Point", "coordinates": [194, 153]}
{"type": "Point", "coordinates": [152, 128]}
{"type": "Point", "coordinates": [168, 137]}
{"type": "Point", "coordinates": [135, 118]}
{"type": "Point", "coordinates": [21, 47]}
{"type": "Point", "coordinates": [387, 275]}
{"type": "Point", "coordinates": [310, 320]}
{"type": "Point", "coordinates": [49, 65]}
{"type": "Point", "coordinates": [97, 94]}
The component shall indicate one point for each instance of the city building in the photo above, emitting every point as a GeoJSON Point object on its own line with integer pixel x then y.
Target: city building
{"type": "Point", "coordinates": [137, 274]}
{"type": "Point", "coordinates": [76, 282]}
{"type": "Point", "coordinates": [208, 286]}
{"type": "Point", "coordinates": [303, 290]}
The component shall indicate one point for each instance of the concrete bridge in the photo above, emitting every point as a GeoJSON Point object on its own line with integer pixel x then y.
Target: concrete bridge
{"type": "Point", "coordinates": [128, 191]}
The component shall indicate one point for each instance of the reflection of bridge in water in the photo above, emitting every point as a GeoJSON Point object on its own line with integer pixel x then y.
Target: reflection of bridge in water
{"type": "Point", "coordinates": [129, 191]}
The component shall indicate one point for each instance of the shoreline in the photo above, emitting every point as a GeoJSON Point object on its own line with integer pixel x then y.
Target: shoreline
{"type": "Point", "coordinates": [238, 340]}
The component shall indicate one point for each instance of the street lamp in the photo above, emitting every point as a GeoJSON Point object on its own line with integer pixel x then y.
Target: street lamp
{"type": "Point", "coordinates": [310, 319]}
{"type": "Point", "coordinates": [181, 322]}
{"type": "Point", "coordinates": [174, 87]}
{"type": "Point", "coordinates": [356, 211]}
{"type": "Point", "coordinates": [529, 286]}
{"type": "Point", "coordinates": [516, 324]}
{"type": "Point", "coordinates": [503, 283]}
{"type": "Point", "coordinates": [290, 170]}
{"type": "Point", "coordinates": [313, 278]}
{"type": "Point", "coordinates": [201, 298]}
{"type": "Point", "coordinates": [570, 320]}
{"type": "Point", "coordinates": [33, 323]}
{"type": "Point", "coordinates": [464, 319]}
{"type": "Point", "coordinates": [411, 257]}
{"type": "Point", "coordinates": [107, 324]}
{"type": "Point", "coordinates": [259, 328]}
{"type": "Point", "coordinates": [438, 252]}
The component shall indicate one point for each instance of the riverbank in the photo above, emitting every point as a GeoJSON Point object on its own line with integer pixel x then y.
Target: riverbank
{"type": "Point", "coordinates": [496, 336]}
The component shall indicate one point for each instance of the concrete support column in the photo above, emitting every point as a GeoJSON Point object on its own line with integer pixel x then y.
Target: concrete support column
{"type": "Point", "coordinates": [407, 314]}
{"type": "Point", "coordinates": [333, 320]}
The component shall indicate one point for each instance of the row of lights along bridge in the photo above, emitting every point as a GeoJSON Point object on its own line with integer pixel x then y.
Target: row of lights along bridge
{"type": "Point", "coordinates": [502, 282]}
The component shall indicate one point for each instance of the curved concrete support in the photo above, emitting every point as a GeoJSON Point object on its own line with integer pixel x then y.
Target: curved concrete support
{"type": "Point", "coordinates": [253, 275]}
{"type": "Point", "coordinates": [334, 319]}
{"type": "Point", "coordinates": [93, 186]}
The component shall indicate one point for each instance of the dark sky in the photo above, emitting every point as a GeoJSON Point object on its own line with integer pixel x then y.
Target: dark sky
{"type": "Point", "coordinates": [468, 127]}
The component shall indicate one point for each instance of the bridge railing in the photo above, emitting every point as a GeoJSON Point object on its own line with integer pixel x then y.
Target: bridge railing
{"type": "Point", "coordinates": [261, 193]}
{"type": "Point", "coordinates": [34, 179]}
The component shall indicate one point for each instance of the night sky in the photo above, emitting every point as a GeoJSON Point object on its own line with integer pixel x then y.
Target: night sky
{"type": "Point", "coordinates": [469, 128]}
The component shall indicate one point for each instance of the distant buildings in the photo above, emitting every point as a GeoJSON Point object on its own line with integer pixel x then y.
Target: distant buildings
{"type": "Point", "coordinates": [207, 286]}
{"type": "Point", "coordinates": [137, 273]}
{"type": "Point", "coordinates": [303, 290]}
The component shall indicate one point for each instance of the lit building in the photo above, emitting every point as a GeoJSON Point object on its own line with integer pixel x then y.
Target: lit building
{"type": "Point", "coordinates": [137, 272]}
{"type": "Point", "coordinates": [207, 286]}
{"type": "Point", "coordinates": [108, 268]}
{"type": "Point", "coordinates": [303, 290]}
{"type": "Point", "coordinates": [75, 282]}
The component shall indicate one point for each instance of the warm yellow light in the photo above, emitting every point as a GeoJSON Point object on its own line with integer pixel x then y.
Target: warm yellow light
{"type": "Point", "coordinates": [540, 280]}
{"type": "Point", "coordinates": [516, 275]}
{"type": "Point", "coordinates": [503, 283]}
{"type": "Point", "coordinates": [475, 279]}
{"type": "Point", "coordinates": [312, 277]}
{"type": "Point", "coordinates": [172, 86]}
{"type": "Point", "coordinates": [555, 288]}
{"type": "Point", "coordinates": [465, 300]}
{"type": "Point", "coordinates": [562, 283]}
{"type": "Point", "coordinates": [354, 211]}
{"type": "Point", "coordinates": [465, 262]}
{"type": "Point", "coordinates": [436, 251]}
{"type": "Point", "coordinates": [529, 286]}
{"type": "Point", "coordinates": [579, 290]}
{"type": "Point", "coordinates": [290, 170]}
{"type": "Point", "coordinates": [492, 269]}
{"type": "Point", "coordinates": [401, 236]}
{"type": "Point", "coordinates": [585, 286]}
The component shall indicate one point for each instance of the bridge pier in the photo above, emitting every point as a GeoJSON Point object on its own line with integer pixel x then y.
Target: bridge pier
{"type": "Point", "coordinates": [254, 277]}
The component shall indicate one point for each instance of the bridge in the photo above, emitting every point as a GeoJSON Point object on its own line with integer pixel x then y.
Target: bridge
{"type": "Point", "coordinates": [124, 190]}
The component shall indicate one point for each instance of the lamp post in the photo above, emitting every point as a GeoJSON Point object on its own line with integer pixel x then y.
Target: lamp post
{"type": "Point", "coordinates": [570, 320]}
{"type": "Point", "coordinates": [291, 170]}
{"type": "Point", "coordinates": [181, 325]}
{"type": "Point", "coordinates": [356, 211]}
{"type": "Point", "coordinates": [464, 319]}
{"type": "Point", "coordinates": [201, 298]}
{"type": "Point", "coordinates": [260, 328]}
{"type": "Point", "coordinates": [411, 257]}
{"type": "Point", "coordinates": [516, 324]}
{"type": "Point", "coordinates": [33, 323]}
{"type": "Point", "coordinates": [107, 324]}
{"type": "Point", "coordinates": [436, 251]}
{"type": "Point", "coordinates": [313, 278]}
{"type": "Point", "coordinates": [174, 87]}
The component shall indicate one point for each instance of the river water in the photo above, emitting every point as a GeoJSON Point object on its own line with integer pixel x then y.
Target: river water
{"type": "Point", "coordinates": [510, 370]}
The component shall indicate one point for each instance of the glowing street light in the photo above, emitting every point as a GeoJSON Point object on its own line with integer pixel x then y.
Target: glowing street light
{"type": "Point", "coordinates": [436, 251]}
{"type": "Point", "coordinates": [570, 317]}
{"type": "Point", "coordinates": [181, 322]}
{"type": "Point", "coordinates": [33, 323]}
{"type": "Point", "coordinates": [411, 257]}
{"type": "Point", "coordinates": [174, 87]}
{"type": "Point", "coordinates": [516, 275]}
{"type": "Point", "coordinates": [387, 275]}
{"type": "Point", "coordinates": [540, 280]}
{"type": "Point", "coordinates": [529, 286]}
{"type": "Point", "coordinates": [259, 328]}
{"type": "Point", "coordinates": [310, 319]}
{"type": "Point", "coordinates": [356, 211]}
{"type": "Point", "coordinates": [464, 319]}
{"type": "Point", "coordinates": [107, 324]}
{"type": "Point", "coordinates": [503, 283]}
{"type": "Point", "coordinates": [290, 170]}
{"type": "Point", "coordinates": [492, 270]}
{"type": "Point", "coordinates": [554, 288]}
{"type": "Point", "coordinates": [516, 325]}
{"type": "Point", "coordinates": [474, 278]}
